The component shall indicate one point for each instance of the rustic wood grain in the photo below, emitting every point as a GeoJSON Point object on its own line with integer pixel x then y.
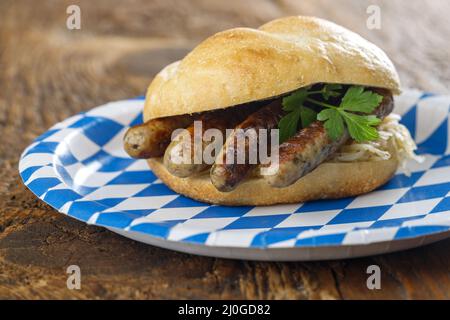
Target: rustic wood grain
{"type": "Point", "coordinates": [48, 73]}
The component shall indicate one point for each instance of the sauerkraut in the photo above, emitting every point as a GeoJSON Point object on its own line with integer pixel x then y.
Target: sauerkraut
{"type": "Point", "coordinates": [392, 132]}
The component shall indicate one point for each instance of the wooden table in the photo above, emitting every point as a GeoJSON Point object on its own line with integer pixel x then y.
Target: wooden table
{"type": "Point", "coordinates": [48, 73]}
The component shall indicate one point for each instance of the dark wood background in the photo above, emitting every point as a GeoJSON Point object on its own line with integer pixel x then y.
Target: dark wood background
{"type": "Point", "coordinates": [48, 73]}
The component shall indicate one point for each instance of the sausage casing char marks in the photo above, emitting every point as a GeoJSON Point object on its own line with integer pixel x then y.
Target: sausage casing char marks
{"type": "Point", "coordinates": [299, 155]}
{"type": "Point", "coordinates": [221, 120]}
{"type": "Point", "coordinates": [302, 153]}
{"type": "Point", "coordinates": [150, 139]}
{"type": "Point", "coordinates": [226, 174]}
{"type": "Point", "coordinates": [310, 146]}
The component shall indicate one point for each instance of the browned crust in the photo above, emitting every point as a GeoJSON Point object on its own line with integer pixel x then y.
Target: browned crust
{"type": "Point", "coordinates": [328, 181]}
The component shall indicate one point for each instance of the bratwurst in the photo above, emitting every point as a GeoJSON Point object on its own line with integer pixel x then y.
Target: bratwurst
{"type": "Point", "coordinates": [298, 156]}
{"type": "Point", "coordinates": [227, 172]}
{"type": "Point", "coordinates": [310, 146]}
{"type": "Point", "coordinates": [150, 139]}
{"type": "Point", "coordinates": [184, 165]}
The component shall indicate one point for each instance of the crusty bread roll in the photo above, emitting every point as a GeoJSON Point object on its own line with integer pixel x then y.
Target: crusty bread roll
{"type": "Point", "coordinates": [241, 65]}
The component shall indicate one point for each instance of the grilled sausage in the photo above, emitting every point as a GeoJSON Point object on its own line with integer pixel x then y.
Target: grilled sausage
{"type": "Point", "coordinates": [302, 153]}
{"type": "Point", "coordinates": [310, 146]}
{"type": "Point", "coordinates": [174, 156]}
{"type": "Point", "coordinates": [387, 104]}
{"type": "Point", "coordinates": [226, 173]}
{"type": "Point", "coordinates": [150, 139]}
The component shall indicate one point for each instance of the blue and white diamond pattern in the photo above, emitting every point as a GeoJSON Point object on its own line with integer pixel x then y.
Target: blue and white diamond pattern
{"type": "Point", "coordinates": [79, 168]}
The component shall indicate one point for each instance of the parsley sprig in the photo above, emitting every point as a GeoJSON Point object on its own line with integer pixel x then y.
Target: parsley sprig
{"type": "Point", "coordinates": [360, 125]}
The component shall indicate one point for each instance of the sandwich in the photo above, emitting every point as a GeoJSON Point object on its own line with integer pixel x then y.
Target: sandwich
{"type": "Point", "coordinates": [299, 109]}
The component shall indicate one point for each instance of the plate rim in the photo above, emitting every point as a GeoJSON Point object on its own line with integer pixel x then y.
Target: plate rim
{"type": "Point", "coordinates": [304, 253]}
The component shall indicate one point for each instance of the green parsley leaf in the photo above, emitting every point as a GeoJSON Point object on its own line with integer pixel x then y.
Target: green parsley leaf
{"type": "Point", "coordinates": [361, 128]}
{"type": "Point", "coordinates": [295, 100]}
{"type": "Point", "coordinates": [333, 123]}
{"type": "Point", "coordinates": [307, 116]}
{"type": "Point", "coordinates": [293, 104]}
{"type": "Point", "coordinates": [288, 125]}
{"type": "Point", "coordinates": [358, 100]}
{"type": "Point", "coordinates": [331, 90]}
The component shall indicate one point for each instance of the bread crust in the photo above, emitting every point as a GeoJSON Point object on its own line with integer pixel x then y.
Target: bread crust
{"type": "Point", "coordinates": [241, 65]}
{"type": "Point", "coordinates": [327, 181]}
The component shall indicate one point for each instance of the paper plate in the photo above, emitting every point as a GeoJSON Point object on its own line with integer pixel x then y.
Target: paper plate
{"type": "Point", "coordinates": [79, 168]}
